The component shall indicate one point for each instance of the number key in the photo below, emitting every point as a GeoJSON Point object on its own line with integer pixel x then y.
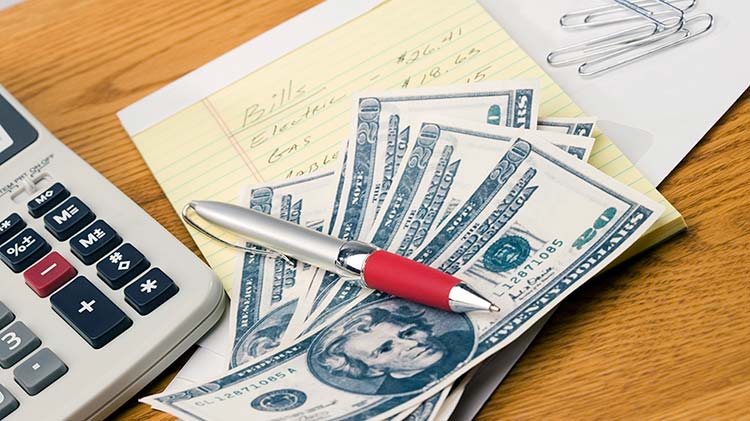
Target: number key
{"type": "Point", "coordinates": [8, 403]}
{"type": "Point", "coordinates": [16, 342]}
{"type": "Point", "coordinates": [6, 316]}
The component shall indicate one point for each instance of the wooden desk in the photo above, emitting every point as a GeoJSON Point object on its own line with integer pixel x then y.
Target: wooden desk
{"type": "Point", "coordinates": [666, 335]}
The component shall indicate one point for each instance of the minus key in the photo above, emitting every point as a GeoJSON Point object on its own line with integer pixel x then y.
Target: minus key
{"type": "Point", "coordinates": [49, 274]}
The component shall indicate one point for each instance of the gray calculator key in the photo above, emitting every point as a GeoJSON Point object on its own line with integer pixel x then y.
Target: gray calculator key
{"type": "Point", "coordinates": [39, 371]}
{"type": "Point", "coordinates": [8, 403]}
{"type": "Point", "coordinates": [6, 316]}
{"type": "Point", "coordinates": [16, 342]}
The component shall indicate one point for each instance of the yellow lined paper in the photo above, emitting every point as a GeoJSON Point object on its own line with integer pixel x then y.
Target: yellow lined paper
{"type": "Point", "coordinates": [289, 117]}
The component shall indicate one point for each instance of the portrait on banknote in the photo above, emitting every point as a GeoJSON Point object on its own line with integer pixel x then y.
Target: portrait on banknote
{"type": "Point", "coordinates": [391, 347]}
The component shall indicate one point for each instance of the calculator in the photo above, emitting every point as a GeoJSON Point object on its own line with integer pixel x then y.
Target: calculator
{"type": "Point", "coordinates": [96, 298]}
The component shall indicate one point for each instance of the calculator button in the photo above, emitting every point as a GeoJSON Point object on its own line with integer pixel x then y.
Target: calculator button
{"type": "Point", "coordinates": [121, 266]}
{"type": "Point", "coordinates": [89, 312]}
{"type": "Point", "coordinates": [8, 403]}
{"type": "Point", "coordinates": [16, 342]}
{"type": "Point", "coordinates": [47, 200]}
{"type": "Point", "coordinates": [10, 226]}
{"type": "Point", "coordinates": [6, 316]}
{"type": "Point", "coordinates": [150, 291]}
{"type": "Point", "coordinates": [68, 218]}
{"type": "Point", "coordinates": [49, 274]}
{"type": "Point", "coordinates": [39, 371]}
{"type": "Point", "coordinates": [23, 250]}
{"type": "Point", "coordinates": [94, 242]}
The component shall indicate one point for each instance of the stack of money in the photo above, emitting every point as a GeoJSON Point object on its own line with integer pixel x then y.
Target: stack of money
{"type": "Point", "coordinates": [465, 179]}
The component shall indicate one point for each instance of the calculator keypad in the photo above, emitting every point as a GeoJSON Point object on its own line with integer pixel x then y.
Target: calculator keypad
{"type": "Point", "coordinates": [68, 218]}
{"type": "Point", "coordinates": [16, 342]}
{"type": "Point", "coordinates": [49, 274]}
{"type": "Point", "coordinates": [94, 242]}
{"type": "Point", "coordinates": [89, 312]}
{"type": "Point", "coordinates": [76, 300]}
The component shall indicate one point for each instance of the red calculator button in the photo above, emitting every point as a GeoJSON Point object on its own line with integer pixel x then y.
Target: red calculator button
{"type": "Point", "coordinates": [49, 274]}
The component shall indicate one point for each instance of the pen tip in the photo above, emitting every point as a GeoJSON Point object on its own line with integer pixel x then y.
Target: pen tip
{"type": "Point", "coordinates": [494, 308]}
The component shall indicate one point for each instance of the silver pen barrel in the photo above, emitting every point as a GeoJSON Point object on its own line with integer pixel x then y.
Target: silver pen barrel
{"type": "Point", "coordinates": [275, 234]}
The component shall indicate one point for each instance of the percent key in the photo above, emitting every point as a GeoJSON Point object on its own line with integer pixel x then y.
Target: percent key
{"type": "Point", "coordinates": [23, 250]}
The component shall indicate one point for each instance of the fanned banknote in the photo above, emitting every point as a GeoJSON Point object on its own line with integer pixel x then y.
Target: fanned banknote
{"type": "Point", "coordinates": [432, 182]}
{"type": "Point", "coordinates": [268, 288]}
{"type": "Point", "coordinates": [579, 126]}
{"type": "Point", "coordinates": [537, 226]}
{"type": "Point", "coordinates": [437, 175]}
{"type": "Point", "coordinates": [380, 136]}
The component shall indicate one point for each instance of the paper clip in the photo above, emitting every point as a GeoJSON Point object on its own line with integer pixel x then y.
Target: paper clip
{"type": "Point", "coordinates": [664, 27]}
{"type": "Point", "coordinates": [606, 44]}
{"type": "Point", "coordinates": [684, 34]}
{"type": "Point", "coordinates": [622, 12]}
{"type": "Point", "coordinates": [250, 249]}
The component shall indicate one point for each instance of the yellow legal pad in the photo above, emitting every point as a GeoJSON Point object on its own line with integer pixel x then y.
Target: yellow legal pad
{"type": "Point", "coordinates": [290, 117]}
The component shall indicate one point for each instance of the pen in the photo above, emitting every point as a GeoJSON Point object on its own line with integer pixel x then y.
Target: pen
{"type": "Point", "coordinates": [370, 266]}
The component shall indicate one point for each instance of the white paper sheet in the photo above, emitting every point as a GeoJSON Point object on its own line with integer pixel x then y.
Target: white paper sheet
{"type": "Point", "coordinates": [656, 109]}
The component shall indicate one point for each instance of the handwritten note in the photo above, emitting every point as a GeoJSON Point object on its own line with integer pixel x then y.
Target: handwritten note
{"type": "Point", "coordinates": [289, 117]}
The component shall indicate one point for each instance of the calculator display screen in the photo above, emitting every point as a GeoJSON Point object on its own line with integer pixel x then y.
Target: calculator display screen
{"type": "Point", "coordinates": [16, 133]}
{"type": "Point", "coordinates": [5, 139]}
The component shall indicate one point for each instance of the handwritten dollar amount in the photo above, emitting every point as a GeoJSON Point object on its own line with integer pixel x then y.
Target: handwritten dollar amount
{"type": "Point", "coordinates": [440, 70]}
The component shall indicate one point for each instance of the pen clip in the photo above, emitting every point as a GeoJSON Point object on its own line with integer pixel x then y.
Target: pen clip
{"type": "Point", "coordinates": [200, 229]}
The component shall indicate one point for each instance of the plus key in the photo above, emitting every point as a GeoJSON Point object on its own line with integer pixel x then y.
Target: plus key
{"type": "Point", "coordinates": [89, 312]}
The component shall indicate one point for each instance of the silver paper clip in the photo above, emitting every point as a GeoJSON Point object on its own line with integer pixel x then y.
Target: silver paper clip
{"type": "Point", "coordinates": [250, 249]}
{"type": "Point", "coordinates": [619, 13]}
{"type": "Point", "coordinates": [686, 32]}
{"type": "Point", "coordinates": [664, 25]}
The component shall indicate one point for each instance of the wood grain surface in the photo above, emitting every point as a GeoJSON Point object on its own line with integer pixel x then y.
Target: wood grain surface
{"type": "Point", "coordinates": [664, 336]}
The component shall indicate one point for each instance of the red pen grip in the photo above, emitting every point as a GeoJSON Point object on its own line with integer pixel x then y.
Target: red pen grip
{"type": "Point", "coordinates": [408, 279]}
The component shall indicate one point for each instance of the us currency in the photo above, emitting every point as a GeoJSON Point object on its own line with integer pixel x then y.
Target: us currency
{"type": "Point", "coordinates": [443, 164]}
{"type": "Point", "coordinates": [380, 136]}
{"type": "Point", "coordinates": [441, 167]}
{"type": "Point", "coordinates": [268, 288]}
{"type": "Point", "coordinates": [579, 126]}
{"type": "Point", "coordinates": [433, 181]}
{"type": "Point", "coordinates": [537, 227]}
{"type": "Point", "coordinates": [499, 365]}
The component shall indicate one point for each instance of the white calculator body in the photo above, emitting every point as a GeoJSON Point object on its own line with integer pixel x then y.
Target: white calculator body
{"type": "Point", "coordinates": [96, 298]}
